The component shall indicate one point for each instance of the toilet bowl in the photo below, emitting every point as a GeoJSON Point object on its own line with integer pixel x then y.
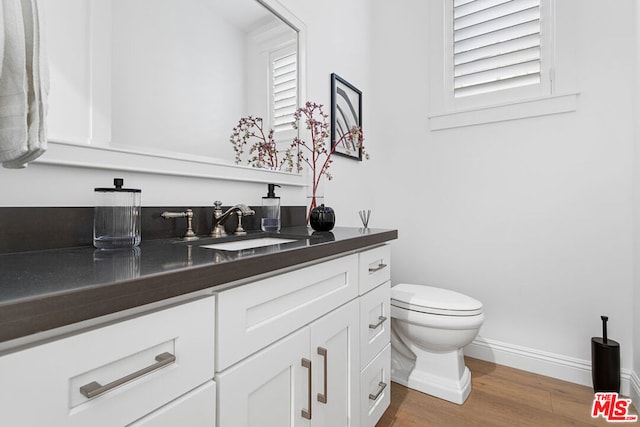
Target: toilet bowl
{"type": "Point", "coordinates": [429, 328]}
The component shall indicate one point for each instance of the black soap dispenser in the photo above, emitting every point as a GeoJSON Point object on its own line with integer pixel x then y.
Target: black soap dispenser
{"type": "Point", "coordinates": [270, 210]}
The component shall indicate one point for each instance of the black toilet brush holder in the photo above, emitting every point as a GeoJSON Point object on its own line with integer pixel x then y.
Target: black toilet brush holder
{"type": "Point", "coordinates": [605, 362]}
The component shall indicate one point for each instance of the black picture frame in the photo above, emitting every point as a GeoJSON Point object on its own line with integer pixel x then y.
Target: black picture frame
{"type": "Point", "coordinates": [346, 112]}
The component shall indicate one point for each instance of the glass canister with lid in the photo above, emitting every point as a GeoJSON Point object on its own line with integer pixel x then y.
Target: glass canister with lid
{"type": "Point", "coordinates": [116, 219]}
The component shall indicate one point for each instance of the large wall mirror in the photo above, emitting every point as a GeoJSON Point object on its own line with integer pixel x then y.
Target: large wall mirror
{"type": "Point", "coordinates": [168, 79]}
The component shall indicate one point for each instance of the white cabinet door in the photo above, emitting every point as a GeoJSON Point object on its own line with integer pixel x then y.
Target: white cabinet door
{"type": "Point", "coordinates": [270, 388]}
{"type": "Point", "coordinates": [195, 409]}
{"type": "Point", "coordinates": [336, 368]}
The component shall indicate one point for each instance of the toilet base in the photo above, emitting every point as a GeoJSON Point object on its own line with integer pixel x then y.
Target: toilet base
{"type": "Point", "coordinates": [455, 391]}
{"type": "Point", "coordinates": [442, 374]}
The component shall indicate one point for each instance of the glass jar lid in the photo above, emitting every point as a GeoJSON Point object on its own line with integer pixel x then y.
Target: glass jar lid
{"type": "Point", "coordinates": [118, 183]}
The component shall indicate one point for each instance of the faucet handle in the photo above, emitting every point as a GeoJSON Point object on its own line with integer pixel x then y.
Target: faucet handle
{"type": "Point", "coordinates": [189, 234]}
{"type": "Point", "coordinates": [240, 231]}
{"type": "Point", "coordinates": [217, 229]}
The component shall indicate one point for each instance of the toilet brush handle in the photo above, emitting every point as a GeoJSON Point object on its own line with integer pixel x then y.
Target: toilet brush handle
{"type": "Point", "coordinates": [604, 328]}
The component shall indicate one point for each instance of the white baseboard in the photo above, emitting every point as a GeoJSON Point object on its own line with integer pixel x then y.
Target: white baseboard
{"type": "Point", "coordinates": [635, 390]}
{"type": "Point", "coordinates": [549, 364]}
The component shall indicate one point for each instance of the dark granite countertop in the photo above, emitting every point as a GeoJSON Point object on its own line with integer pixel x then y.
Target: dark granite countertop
{"type": "Point", "coordinates": [43, 290]}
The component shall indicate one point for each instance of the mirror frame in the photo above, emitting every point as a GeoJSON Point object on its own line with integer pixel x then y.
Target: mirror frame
{"type": "Point", "coordinates": [70, 154]}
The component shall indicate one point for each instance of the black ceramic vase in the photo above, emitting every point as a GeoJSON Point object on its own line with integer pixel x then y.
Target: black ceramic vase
{"type": "Point", "coordinates": [322, 218]}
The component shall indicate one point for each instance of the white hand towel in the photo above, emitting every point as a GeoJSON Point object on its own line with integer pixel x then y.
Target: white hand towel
{"type": "Point", "coordinates": [23, 85]}
{"type": "Point", "coordinates": [13, 84]}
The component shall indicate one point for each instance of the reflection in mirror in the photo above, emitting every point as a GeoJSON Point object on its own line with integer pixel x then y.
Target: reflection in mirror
{"type": "Point", "coordinates": [168, 76]}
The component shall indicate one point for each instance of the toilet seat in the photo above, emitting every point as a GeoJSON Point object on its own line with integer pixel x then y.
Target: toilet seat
{"type": "Point", "coordinates": [427, 299]}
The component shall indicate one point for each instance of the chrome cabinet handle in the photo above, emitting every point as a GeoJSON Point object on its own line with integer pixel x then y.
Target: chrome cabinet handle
{"type": "Point", "coordinates": [378, 268]}
{"type": "Point", "coordinates": [380, 390]}
{"type": "Point", "coordinates": [306, 413]}
{"type": "Point", "coordinates": [322, 397]}
{"type": "Point", "coordinates": [381, 320]}
{"type": "Point", "coordinates": [94, 388]}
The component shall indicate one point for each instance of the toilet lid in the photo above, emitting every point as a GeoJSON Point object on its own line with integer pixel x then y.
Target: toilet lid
{"type": "Point", "coordinates": [427, 299]}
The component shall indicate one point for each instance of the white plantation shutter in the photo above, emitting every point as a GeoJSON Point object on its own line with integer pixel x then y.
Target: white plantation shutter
{"type": "Point", "coordinates": [496, 45]}
{"type": "Point", "coordinates": [284, 90]}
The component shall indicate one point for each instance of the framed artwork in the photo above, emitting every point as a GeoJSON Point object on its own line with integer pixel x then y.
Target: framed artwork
{"type": "Point", "coordinates": [346, 112]}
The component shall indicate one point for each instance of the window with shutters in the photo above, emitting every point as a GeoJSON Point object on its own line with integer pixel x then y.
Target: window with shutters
{"type": "Point", "coordinates": [284, 91]}
{"type": "Point", "coordinates": [497, 51]}
{"type": "Point", "coordinates": [492, 54]}
{"type": "Point", "coordinates": [496, 45]}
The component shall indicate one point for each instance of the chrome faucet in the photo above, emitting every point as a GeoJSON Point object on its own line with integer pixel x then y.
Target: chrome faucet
{"type": "Point", "coordinates": [219, 218]}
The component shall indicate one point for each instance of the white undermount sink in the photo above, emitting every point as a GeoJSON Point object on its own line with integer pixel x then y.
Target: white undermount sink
{"type": "Point", "coordinates": [248, 244]}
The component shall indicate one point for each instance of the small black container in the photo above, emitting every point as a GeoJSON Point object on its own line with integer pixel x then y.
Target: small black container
{"type": "Point", "coordinates": [605, 362]}
{"type": "Point", "coordinates": [322, 218]}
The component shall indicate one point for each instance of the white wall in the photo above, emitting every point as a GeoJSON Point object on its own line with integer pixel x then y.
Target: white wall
{"type": "Point", "coordinates": [178, 77]}
{"type": "Point", "coordinates": [636, 214]}
{"type": "Point", "coordinates": [533, 217]}
{"type": "Point", "coordinates": [69, 74]}
{"type": "Point", "coordinates": [339, 42]}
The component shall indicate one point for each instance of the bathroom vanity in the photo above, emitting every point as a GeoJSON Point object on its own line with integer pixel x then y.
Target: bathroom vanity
{"type": "Point", "coordinates": [178, 334]}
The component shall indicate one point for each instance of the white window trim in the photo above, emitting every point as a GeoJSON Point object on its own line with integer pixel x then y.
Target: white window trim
{"type": "Point", "coordinates": [543, 106]}
{"type": "Point", "coordinates": [447, 112]}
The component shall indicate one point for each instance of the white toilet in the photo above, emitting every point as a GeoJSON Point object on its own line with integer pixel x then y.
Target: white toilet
{"type": "Point", "coordinates": [429, 327]}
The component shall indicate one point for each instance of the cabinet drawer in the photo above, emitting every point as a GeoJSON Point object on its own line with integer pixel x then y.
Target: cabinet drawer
{"type": "Point", "coordinates": [50, 376]}
{"type": "Point", "coordinates": [252, 316]}
{"type": "Point", "coordinates": [375, 322]}
{"type": "Point", "coordinates": [375, 388]}
{"type": "Point", "coordinates": [195, 409]}
{"type": "Point", "coordinates": [375, 267]}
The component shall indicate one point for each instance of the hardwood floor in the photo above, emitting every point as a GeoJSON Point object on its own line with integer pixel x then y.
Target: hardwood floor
{"type": "Point", "coordinates": [500, 396]}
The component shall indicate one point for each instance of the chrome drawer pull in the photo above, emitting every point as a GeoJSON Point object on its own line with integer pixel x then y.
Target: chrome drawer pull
{"type": "Point", "coordinates": [306, 413]}
{"type": "Point", "coordinates": [382, 387]}
{"type": "Point", "coordinates": [381, 320]}
{"type": "Point", "coordinates": [94, 388]}
{"type": "Point", "coordinates": [322, 397]}
{"type": "Point", "coordinates": [378, 268]}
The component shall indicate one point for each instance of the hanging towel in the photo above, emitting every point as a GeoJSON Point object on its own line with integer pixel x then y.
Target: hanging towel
{"type": "Point", "coordinates": [24, 85]}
